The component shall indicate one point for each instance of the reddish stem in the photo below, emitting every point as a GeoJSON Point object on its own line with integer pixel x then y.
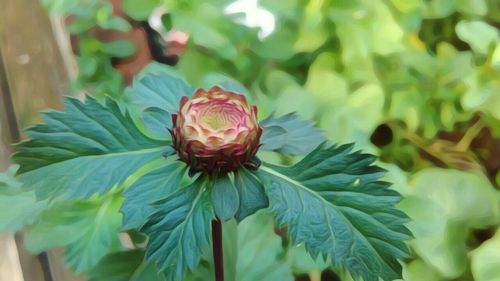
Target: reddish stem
{"type": "Point", "coordinates": [218, 249]}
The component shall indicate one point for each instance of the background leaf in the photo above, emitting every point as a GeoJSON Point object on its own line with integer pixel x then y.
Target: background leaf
{"type": "Point", "coordinates": [117, 266]}
{"type": "Point", "coordinates": [444, 205]}
{"type": "Point", "coordinates": [290, 135]}
{"type": "Point", "coordinates": [139, 10]}
{"type": "Point", "coordinates": [486, 260]}
{"type": "Point", "coordinates": [18, 207]}
{"type": "Point", "coordinates": [88, 229]}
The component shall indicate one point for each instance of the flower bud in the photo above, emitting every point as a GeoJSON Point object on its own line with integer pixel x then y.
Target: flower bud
{"type": "Point", "coordinates": [216, 131]}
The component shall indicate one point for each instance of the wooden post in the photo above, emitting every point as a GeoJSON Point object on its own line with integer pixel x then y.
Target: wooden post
{"type": "Point", "coordinates": [32, 77]}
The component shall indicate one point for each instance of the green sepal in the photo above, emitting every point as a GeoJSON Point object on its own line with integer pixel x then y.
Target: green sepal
{"type": "Point", "coordinates": [225, 197]}
{"type": "Point", "coordinates": [251, 193]}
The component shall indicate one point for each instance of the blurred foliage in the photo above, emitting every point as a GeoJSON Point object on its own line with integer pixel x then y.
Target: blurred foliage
{"type": "Point", "coordinates": [415, 81]}
{"type": "Point", "coordinates": [96, 74]}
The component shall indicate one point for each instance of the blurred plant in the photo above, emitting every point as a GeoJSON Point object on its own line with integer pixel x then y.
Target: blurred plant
{"type": "Point", "coordinates": [96, 74]}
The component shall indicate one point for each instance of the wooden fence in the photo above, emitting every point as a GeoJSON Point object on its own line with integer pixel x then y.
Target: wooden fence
{"type": "Point", "coordinates": [33, 76]}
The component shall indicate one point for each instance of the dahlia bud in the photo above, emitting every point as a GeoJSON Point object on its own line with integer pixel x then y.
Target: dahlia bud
{"type": "Point", "coordinates": [216, 131]}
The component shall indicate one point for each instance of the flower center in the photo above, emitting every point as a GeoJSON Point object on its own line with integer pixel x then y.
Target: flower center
{"type": "Point", "coordinates": [220, 117]}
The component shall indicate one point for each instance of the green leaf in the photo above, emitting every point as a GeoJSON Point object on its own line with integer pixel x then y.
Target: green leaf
{"type": "Point", "coordinates": [333, 202]}
{"type": "Point", "coordinates": [117, 266]}
{"type": "Point", "coordinates": [204, 32]}
{"type": "Point", "coordinates": [139, 10]}
{"type": "Point", "coordinates": [463, 197]}
{"type": "Point", "coordinates": [225, 198]}
{"type": "Point", "coordinates": [474, 7]}
{"type": "Point", "coordinates": [361, 112]}
{"type": "Point", "coordinates": [260, 253]}
{"type": "Point", "coordinates": [226, 82]}
{"type": "Point", "coordinates": [157, 121]}
{"type": "Point", "coordinates": [116, 23]}
{"type": "Point", "coordinates": [157, 183]}
{"type": "Point", "coordinates": [18, 207]}
{"type": "Point", "coordinates": [87, 149]}
{"type": "Point", "coordinates": [127, 265]}
{"type": "Point", "coordinates": [444, 204]}
{"type": "Point", "coordinates": [328, 86]}
{"type": "Point", "coordinates": [251, 193]}
{"type": "Point", "coordinates": [161, 89]}
{"type": "Point", "coordinates": [304, 263]}
{"type": "Point", "coordinates": [147, 272]}
{"type": "Point", "coordinates": [478, 34]}
{"type": "Point", "coordinates": [179, 229]}
{"type": "Point", "coordinates": [88, 229]}
{"type": "Point", "coordinates": [289, 134]}
{"type": "Point", "coordinates": [417, 270]}
{"type": "Point", "coordinates": [485, 263]}
{"type": "Point", "coordinates": [119, 48]}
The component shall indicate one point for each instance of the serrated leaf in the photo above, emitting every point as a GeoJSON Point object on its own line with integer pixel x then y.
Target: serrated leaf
{"type": "Point", "coordinates": [251, 194]}
{"type": "Point", "coordinates": [333, 202]}
{"type": "Point", "coordinates": [18, 207]}
{"type": "Point", "coordinates": [289, 134]}
{"type": "Point", "coordinates": [304, 263]}
{"type": "Point", "coordinates": [117, 266]}
{"type": "Point", "coordinates": [179, 230]}
{"type": "Point", "coordinates": [157, 183]}
{"type": "Point", "coordinates": [225, 198]}
{"type": "Point", "coordinates": [87, 149]}
{"type": "Point", "coordinates": [159, 88]}
{"type": "Point", "coordinates": [88, 229]}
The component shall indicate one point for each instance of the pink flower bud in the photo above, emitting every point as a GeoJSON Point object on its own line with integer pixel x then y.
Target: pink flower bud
{"type": "Point", "coordinates": [216, 131]}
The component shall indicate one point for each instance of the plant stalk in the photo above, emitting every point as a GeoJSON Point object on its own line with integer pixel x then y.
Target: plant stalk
{"type": "Point", "coordinates": [217, 249]}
